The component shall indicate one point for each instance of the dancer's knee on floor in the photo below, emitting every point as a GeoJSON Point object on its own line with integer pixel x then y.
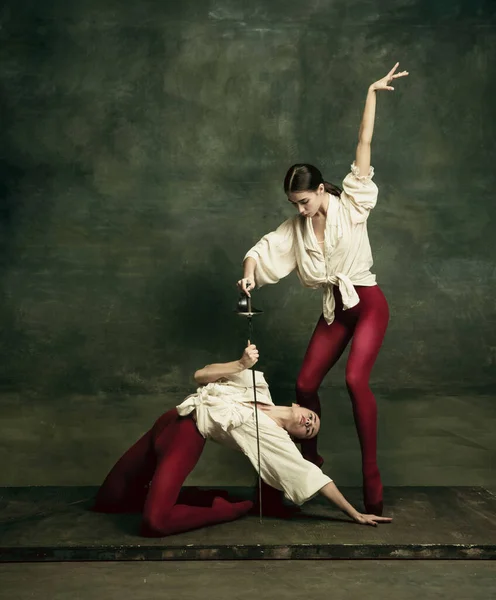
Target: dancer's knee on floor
{"type": "Point", "coordinates": [155, 523]}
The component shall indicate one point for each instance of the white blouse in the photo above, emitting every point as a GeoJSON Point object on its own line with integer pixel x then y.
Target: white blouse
{"type": "Point", "coordinates": [346, 258]}
{"type": "Point", "coordinates": [224, 413]}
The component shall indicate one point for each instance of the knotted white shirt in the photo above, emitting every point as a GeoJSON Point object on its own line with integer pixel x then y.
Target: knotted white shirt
{"type": "Point", "coordinates": [347, 256]}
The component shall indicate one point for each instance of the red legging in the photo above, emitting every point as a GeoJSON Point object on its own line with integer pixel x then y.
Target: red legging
{"type": "Point", "coordinates": [366, 323]}
{"type": "Point", "coordinates": [149, 477]}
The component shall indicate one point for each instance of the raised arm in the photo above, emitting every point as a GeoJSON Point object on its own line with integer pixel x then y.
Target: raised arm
{"type": "Point", "coordinates": [214, 372]}
{"type": "Point", "coordinates": [366, 132]}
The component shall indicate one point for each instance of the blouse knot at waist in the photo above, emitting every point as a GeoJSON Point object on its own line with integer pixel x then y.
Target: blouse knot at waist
{"type": "Point", "coordinates": [347, 291]}
{"type": "Point", "coordinates": [346, 254]}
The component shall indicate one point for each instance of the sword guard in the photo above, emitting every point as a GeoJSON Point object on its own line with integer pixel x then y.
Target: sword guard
{"type": "Point", "coordinates": [244, 307]}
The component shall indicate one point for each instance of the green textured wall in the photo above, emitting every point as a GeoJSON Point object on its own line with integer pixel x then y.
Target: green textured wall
{"type": "Point", "coordinates": [143, 150]}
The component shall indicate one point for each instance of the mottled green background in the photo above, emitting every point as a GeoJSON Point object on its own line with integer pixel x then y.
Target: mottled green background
{"type": "Point", "coordinates": [143, 150]}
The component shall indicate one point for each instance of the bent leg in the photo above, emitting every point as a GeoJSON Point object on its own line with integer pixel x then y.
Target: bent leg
{"type": "Point", "coordinates": [177, 455]}
{"type": "Point", "coordinates": [326, 346]}
{"type": "Point", "coordinates": [125, 487]}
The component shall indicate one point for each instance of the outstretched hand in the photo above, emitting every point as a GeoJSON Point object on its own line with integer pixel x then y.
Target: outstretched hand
{"type": "Point", "coordinates": [372, 520]}
{"type": "Point", "coordinates": [383, 84]}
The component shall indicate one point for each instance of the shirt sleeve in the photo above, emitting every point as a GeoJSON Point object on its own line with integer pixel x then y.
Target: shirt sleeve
{"type": "Point", "coordinates": [274, 255]}
{"type": "Point", "coordinates": [281, 464]}
{"type": "Point", "coordinates": [359, 194]}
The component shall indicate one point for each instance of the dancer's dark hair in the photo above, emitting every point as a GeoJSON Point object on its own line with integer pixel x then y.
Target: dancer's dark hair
{"type": "Point", "coordinates": [303, 177]}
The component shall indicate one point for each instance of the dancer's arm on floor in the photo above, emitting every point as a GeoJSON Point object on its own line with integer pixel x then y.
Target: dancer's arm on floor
{"type": "Point", "coordinates": [283, 467]}
{"type": "Point", "coordinates": [331, 492]}
{"type": "Point", "coordinates": [363, 151]}
{"type": "Point", "coordinates": [214, 372]}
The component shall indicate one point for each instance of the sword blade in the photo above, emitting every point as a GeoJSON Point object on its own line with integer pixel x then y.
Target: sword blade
{"type": "Point", "coordinates": [250, 335]}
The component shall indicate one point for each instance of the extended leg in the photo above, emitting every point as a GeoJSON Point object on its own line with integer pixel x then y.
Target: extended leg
{"type": "Point", "coordinates": [367, 340]}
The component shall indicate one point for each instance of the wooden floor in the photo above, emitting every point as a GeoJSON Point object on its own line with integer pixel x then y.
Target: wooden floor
{"type": "Point", "coordinates": [54, 524]}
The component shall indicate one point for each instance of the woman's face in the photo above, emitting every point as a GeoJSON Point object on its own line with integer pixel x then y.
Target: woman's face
{"type": "Point", "coordinates": [305, 424]}
{"type": "Point", "coordinates": [308, 203]}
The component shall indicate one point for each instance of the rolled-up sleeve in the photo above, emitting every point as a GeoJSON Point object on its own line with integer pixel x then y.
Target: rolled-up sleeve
{"type": "Point", "coordinates": [359, 194]}
{"type": "Point", "coordinates": [274, 255]}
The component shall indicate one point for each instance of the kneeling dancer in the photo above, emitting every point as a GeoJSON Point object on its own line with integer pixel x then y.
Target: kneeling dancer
{"type": "Point", "coordinates": [149, 476]}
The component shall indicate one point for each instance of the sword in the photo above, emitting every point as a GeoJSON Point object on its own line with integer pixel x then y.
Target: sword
{"type": "Point", "coordinates": [245, 309]}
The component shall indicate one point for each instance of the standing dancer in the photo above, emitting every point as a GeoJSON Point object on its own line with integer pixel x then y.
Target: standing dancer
{"type": "Point", "coordinates": [149, 476]}
{"type": "Point", "coordinates": [327, 243]}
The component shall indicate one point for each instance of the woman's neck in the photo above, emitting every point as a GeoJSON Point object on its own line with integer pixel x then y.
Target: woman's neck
{"type": "Point", "coordinates": [280, 414]}
{"type": "Point", "coordinates": [322, 212]}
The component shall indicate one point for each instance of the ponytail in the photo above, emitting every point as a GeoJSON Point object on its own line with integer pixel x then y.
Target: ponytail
{"type": "Point", "coordinates": [332, 189]}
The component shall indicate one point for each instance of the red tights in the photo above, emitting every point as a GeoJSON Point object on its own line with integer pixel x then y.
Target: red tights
{"type": "Point", "coordinates": [149, 477]}
{"type": "Point", "coordinates": [366, 323]}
